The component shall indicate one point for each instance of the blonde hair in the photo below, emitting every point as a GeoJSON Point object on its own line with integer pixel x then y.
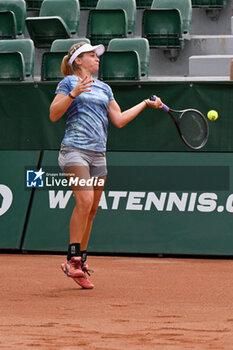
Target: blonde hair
{"type": "Point", "coordinates": [66, 67]}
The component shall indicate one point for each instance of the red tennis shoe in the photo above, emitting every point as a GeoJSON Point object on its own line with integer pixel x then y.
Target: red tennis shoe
{"type": "Point", "coordinates": [72, 268]}
{"type": "Point", "coordinates": [83, 281]}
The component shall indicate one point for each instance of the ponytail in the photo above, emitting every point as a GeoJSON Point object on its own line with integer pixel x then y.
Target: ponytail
{"type": "Point", "coordinates": [66, 67]}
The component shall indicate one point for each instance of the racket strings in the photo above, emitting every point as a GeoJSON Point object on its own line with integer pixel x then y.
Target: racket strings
{"type": "Point", "coordinates": [193, 128]}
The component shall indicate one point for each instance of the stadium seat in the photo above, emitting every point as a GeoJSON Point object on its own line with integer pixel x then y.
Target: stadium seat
{"type": "Point", "coordinates": [104, 25]}
{"type": "Point", "coordinates": [7, 25]}
{"type": "Point", "coordinates": [143, 3]}
{"type": "Point", "coordinates": [58, 19]}
{"type": "Point", "coordinates": [63, 45]}
{"type": "Point", "coordinates": [18, 7]}
{"type": "Point", "coordinates": [140, 45]}
{"type": "Point", "coordinates": [51, 66]}
{"type": "Point", "coordinates": [209, 4]}
{"type": "Point", "coordinates": [162, 28]}
{"type": "Point", "coordinates": [129, 6]}
{"type": "Point", "coordinates": [87, 4]}
{"type": "Point", "coordinates": [27, 50]}
{"type": "Point", "coordinates": [51, 61]}
{"type": "Point", "coordinates": [184, 6]}
{"type": "Point", "coordinates": [33, 4]}
{"type": "Point", "coordinates": [12, 66]}
{"type": "Point", "coordinates": [120, 65]}
{"type": "Point", "coordinates": [212, 7]}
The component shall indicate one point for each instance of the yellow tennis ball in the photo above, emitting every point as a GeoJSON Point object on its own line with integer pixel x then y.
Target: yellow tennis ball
{"type": "Point", "coordinates": [212, 115]}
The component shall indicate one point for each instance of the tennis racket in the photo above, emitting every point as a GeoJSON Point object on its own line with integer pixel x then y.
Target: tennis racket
{"type": "Point", "coordinates": [191, 125]}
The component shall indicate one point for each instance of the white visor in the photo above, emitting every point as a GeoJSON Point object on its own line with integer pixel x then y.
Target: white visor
{"type": "Point", "coordinates": [99, 49]}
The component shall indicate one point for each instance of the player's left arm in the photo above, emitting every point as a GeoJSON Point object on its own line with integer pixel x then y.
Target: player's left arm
{"type": "Point", "coordinates": [120, 119]}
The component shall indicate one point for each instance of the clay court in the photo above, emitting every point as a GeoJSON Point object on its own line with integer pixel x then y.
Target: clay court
{"type": "Point", "coordinates": [137, 303]}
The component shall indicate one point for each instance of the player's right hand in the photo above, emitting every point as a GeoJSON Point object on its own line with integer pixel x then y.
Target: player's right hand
{"type": "Point", "coordinates": [157, 103]}
{"type": "Point", "coordinates": [83, 85]}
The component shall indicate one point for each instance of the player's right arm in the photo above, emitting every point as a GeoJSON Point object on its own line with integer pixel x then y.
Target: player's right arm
{"type": "Point", "coordinates": [59, 106]}
{"type": "Point", "coordinates": [62, 102]}
{"type": "Point", "coordinates": [120, 119]}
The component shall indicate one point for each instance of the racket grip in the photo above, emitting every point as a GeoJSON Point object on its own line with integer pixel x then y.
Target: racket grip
{"type": "Point", "coordinates": [165, 107]}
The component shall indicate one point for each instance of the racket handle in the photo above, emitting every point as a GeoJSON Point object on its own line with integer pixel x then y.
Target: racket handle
{"type": "Point", "coordinates": [165, 107]}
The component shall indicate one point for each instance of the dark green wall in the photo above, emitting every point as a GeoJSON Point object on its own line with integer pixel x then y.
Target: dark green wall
{"type": "Point", "coordinates": [25, 125]}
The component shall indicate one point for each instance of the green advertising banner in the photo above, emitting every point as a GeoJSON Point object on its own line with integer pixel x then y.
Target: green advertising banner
{"type": "Point", "coordinates": [153, 203]}
{"type": "Point", "coordinates": [14, 200]}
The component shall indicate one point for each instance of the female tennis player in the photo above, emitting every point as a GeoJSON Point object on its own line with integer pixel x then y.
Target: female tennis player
{"type": "Point", "coordinates": [88, 103]}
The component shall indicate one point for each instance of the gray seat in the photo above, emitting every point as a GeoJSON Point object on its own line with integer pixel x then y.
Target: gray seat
{"type": "Point", "coordinates": [210, 65]}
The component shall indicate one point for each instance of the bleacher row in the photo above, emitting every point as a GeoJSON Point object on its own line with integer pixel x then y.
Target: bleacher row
{"type": "Point", "coordinates": [55, 27]}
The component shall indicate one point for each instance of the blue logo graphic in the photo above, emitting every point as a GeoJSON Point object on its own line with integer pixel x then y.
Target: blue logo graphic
{"type": "Point", "coordinates": [35, 178]}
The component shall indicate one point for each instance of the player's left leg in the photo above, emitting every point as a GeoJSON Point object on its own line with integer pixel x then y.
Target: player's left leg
{"type": "Point", "coordinates": [97, 195]}
{"type": "Point", "coordinates": [83, 280]}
